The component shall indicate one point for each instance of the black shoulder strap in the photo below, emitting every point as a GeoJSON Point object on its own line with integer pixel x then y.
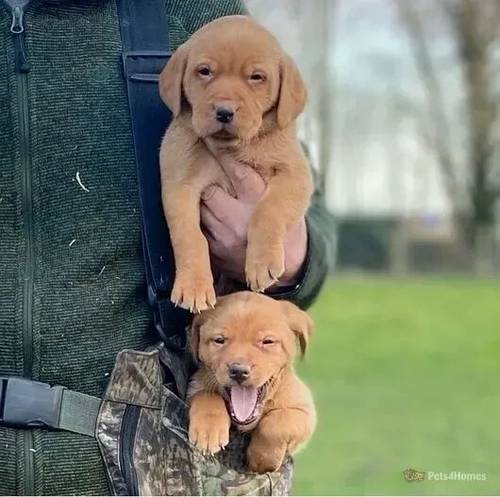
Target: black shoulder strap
{"type": "Point", "coordinates": [144, 32]}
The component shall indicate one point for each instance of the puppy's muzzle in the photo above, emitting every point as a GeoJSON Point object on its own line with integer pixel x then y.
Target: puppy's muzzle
{"type": "Point", "coordinates": [238, 372]}
{"type": "Point", "coordinates": [224, 115]}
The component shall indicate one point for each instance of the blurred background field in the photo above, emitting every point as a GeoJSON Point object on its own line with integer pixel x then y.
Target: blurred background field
{"type": "Point", "coordinates": [406, 375]}
{"type": "Point", "coordinates": [403, 129]}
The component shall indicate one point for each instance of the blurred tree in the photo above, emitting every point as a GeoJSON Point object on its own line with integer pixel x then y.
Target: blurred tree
{"type": "Point", "coordinates": [475, 27]}
{"type": "Point", "coordinates": [325, 20]}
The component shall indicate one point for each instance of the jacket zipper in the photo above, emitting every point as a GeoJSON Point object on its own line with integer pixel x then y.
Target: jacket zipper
{"type": "Point", "coordinates": [127, 441]}
{"type": "Point", "coordinates": [22, 69]}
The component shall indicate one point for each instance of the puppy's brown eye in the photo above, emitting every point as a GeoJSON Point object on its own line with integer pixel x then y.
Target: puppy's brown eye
{"type": "Point", "coordinates": [257, 77]}
{"type": "Point", "coordinates": [268, 341]}
{"type": "Point", "coordinates": [219, 340]}
{"type": "Point", "coordinates": [204, 71]}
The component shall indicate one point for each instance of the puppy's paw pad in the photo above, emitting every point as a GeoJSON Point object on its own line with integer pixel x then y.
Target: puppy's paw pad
{"type": "Point", "coordinates": [209, 438]}
{"type": "Point", "coordinates": [264, 270]}
{"type": "Point", "coordinates": [193, 293]}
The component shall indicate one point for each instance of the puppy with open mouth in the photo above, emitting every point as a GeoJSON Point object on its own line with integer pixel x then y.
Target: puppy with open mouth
{"type": "Point", "coordinates": [232, 91]}
{"type": "Point", "coordinates": [245, 349]}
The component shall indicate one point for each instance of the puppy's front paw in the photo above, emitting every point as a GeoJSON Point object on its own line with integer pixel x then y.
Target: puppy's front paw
{"type": "Point", "coordinates": [265, 458]}
{"type": "Point", "coordinates": [210, 433]}
{"type": "Point", "coordinates": [264, 266]}
{"type": "Point", "coordinates": [193, 291]}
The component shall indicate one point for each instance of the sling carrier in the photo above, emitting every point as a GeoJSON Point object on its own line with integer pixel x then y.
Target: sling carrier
{"type": "Point", "coordinates": [144, 31]}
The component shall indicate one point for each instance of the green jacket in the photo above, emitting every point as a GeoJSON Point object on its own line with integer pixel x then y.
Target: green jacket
{"type": "Point", "coordinates": [72, 290]}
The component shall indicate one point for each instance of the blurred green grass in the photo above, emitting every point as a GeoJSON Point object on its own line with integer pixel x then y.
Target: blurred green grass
{"type": "Point", "coordinates": [406, 374]}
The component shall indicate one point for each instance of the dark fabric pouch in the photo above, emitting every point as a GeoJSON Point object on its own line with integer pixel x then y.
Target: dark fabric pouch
{"type": "Point", "coordinates": [142, 434]}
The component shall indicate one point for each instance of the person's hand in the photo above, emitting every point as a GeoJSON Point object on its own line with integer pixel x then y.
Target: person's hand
{"type": "Point", "coordinates": [225, 221]}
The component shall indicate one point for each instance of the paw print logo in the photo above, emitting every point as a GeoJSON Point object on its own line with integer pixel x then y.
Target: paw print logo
{"type": "Point", "coordinates": [411, 475]}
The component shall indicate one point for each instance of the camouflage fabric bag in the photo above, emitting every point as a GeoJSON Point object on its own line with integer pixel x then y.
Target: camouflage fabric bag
{"type": "Point", "coordinates": [142, 433]}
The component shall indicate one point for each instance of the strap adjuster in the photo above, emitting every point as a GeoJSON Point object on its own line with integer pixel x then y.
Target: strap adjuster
{"type": "Point", "coordinates": [29, 404]}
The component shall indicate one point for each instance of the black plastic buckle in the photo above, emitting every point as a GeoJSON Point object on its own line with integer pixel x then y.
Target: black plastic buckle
{"type": "Point", "coordinates": [29, 404]}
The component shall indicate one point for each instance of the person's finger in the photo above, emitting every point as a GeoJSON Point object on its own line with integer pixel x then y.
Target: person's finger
{"type": "Point", "coordinates": [247, 183]}
{"type": "Point", "coordinates": [216, 249]}
{"type": "Point", "coordinates": [218, 201]}
{"type": "Point", "coordinates": [211, 223]}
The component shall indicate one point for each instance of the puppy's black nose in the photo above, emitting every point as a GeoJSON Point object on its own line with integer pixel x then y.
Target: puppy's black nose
{"type": "Point", "coordinates": [238, 372]}
{"type": "Point", "coordinates": [224, 115]}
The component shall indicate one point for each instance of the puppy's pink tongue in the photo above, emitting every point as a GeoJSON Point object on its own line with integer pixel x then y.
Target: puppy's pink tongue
{"type": "Point", "coordinates": [243, 401]}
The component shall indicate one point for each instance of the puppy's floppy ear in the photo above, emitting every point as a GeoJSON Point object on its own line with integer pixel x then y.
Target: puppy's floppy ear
{"type": "Point", "coordinates": [293, 95]}
{"type": "Point", "coordinates": [194, 335]}
{"type": "Point", "coordinates": [300, 323]}
{"type": "Point", "coordinates": [171, 80]}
